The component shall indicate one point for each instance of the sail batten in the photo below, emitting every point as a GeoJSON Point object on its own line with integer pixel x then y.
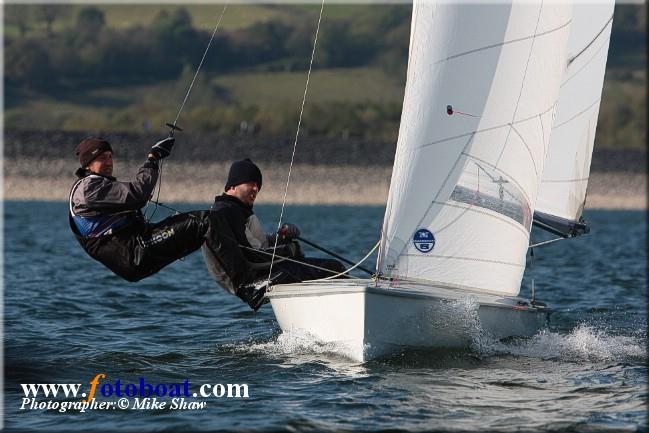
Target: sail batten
{"type": "Point", "coordinates": [472, 141]}
{"type": "Point", "coordinates": [536, 35]}
{"type": "Point", "coordinates": [573, 58]}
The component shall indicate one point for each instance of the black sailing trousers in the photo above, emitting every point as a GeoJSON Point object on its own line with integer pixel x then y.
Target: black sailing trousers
{"type": "Point", "coordinates": [142, 250]}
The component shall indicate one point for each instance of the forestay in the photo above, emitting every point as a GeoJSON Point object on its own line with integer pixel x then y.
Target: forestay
{"type": "Point", "coordinates": [565, 178]}
{"type": "Point", "coordinates": [483, 81]}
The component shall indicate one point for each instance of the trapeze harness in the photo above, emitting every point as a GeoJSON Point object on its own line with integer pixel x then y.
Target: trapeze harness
{"type": "Point", "coordinates": [98, 225]}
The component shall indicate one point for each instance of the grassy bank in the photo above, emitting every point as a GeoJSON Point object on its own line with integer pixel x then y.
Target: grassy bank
{"type": "Point", "coordinates": [268, 102]}
{"type": "Point", "coordinates": [358, 102]}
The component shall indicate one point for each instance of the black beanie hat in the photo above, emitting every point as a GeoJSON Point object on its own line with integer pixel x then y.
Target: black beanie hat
{"type": "Point", "coordinates": [90, 148]}
{"type": "Point", "coordinates": [243, 171]}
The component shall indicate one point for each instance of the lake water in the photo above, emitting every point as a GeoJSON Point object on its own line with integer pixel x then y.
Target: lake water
{"type": "Point", "coordinates": [67, 319]}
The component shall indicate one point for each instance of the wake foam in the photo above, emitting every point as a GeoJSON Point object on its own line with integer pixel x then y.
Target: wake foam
{"type": "Point", "coordinates": [294, 343]}
{"type": "Point", "coordinates": [583, 343]}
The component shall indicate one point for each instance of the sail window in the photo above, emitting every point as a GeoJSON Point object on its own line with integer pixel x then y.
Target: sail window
{"type": "Point", "coordinates": [484, 187]}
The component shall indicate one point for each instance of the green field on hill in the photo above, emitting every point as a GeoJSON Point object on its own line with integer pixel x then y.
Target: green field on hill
{"type": "Point", "coordinates": [219, 102]}
{"type": "Point", "coordinates": [204, 16]}
{"type": "Point", "coordinates": [355, 85]}
{"type": "Point", "coordinates": [127, 68]}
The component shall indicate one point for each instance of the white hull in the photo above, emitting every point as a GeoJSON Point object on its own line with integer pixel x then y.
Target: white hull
{"type": "Point", "coordinates": [368, 321]}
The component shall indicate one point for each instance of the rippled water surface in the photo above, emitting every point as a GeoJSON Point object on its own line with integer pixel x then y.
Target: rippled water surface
{"type": "Point", "coordinates": [68, 319]}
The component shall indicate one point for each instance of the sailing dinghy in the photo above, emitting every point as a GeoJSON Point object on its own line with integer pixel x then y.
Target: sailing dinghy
{"type": "Point", "coordinates": [478, 131]}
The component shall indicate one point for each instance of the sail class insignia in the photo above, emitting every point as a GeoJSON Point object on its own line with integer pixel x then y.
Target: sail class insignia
{"type": "Point", "coordinates": [424, 240]}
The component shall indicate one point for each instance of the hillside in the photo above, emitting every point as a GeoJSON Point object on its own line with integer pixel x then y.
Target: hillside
{"type": "Point", "coordinates": [115, 68]}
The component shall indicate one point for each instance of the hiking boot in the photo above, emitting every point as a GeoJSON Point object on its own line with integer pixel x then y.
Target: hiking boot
{"type": "Point", "coordinates": [254, 294]}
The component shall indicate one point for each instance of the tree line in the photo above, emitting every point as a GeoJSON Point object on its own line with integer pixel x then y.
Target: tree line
{"type": "Point", "coordinates": [90, 53]}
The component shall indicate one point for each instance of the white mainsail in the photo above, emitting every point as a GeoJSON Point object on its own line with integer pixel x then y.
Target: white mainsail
{"type": "Point", "coordinates": [567, 166]}
{"type": "Point", "coordinates": [482, 85]}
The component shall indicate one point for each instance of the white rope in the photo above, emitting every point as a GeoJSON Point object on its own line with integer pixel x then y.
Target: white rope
{"type": "Point", "coordinates": [353, 267]}
{"type": "Point", "coordinates": [200, 64]}
{"type": "Point", "coordinates": [297, 133]}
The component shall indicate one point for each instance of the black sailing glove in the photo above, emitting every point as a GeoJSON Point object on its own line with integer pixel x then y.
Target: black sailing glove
{"type": "Point", "coordinates": [162, 148]}
{"type": "Point", "coordinates": [288, 231]}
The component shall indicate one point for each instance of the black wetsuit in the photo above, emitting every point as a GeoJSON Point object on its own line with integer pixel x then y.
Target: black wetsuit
{"type": "Point", "coordinates": [105, 218]}
{"type": "Point", "coordinates": [234, 250]}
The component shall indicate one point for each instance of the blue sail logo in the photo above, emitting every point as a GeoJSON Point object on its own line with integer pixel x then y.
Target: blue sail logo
{"type": "Point", "coordinates": [424, 240]}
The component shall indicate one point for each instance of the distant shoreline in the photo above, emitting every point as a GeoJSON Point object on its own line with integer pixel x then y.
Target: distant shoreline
{"type": "Point", "coordinates": [199, 182]}
{"type": "Point", "coordinates": [39, 165]}
{"type": "Point", "coordinates": [211, 147]}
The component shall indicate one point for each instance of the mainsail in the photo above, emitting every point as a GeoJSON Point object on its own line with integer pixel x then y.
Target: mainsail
{"type": "Point", "coordinates": [565, 177]}
{"type": "Point", "coordinates": [482, 87]}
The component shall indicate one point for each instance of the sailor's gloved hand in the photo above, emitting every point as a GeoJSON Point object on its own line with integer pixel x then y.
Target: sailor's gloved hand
{"type": "Point", "coordinates": [288, 231]}
{"type": "Point", "coordinates": [162, 148]}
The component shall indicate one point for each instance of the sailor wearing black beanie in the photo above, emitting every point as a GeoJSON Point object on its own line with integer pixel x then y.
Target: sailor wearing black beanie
{"type": "Point", "coordinates": [238, 252]}
{"type": "Point", "coordinates": [242, 172]}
